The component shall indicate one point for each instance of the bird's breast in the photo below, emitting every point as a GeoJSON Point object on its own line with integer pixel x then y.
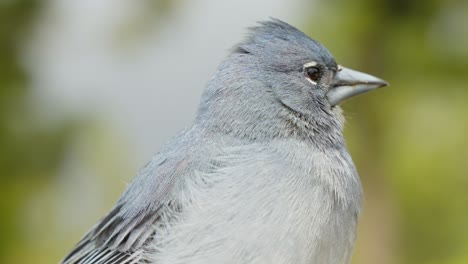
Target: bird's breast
{"type": "Point", "coordinates": [265, 205]}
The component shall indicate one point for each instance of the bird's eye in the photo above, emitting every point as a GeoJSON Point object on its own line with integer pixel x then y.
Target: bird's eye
{"type": "Point", "coordinates": [313, 73]}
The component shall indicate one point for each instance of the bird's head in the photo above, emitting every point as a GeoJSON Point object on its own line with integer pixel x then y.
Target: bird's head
{"type": "Point", "coordinates": [280, 82]}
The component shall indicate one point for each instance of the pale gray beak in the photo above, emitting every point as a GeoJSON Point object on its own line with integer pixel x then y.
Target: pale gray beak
{"type": "Point", "coordinates": [348, 83]}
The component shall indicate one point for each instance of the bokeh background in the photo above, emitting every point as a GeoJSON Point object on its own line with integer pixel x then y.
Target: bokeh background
{"type": "Point", "coordinates": [90, 89]}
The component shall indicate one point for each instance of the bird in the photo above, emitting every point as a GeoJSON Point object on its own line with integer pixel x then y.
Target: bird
{"type": "Point", "coordinates": [261, 175]}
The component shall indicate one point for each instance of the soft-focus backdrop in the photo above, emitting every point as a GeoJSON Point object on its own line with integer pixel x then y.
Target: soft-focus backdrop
{"type": "Point", "coordinates": [90, 89]}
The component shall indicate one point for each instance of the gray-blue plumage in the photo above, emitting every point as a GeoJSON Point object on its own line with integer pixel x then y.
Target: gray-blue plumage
{"type": "Point", "coordinates": [261, 176]}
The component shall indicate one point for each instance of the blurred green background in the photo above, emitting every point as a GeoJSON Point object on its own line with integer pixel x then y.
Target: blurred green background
{"type": "Point", "coordinates": [409, 141]}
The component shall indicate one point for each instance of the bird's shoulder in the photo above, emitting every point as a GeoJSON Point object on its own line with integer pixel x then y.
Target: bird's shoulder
{"type": "Point", "coordinates": [120, 236]}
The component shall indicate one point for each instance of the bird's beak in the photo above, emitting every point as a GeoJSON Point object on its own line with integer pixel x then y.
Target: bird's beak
{"type": "Point", "coordinates": [348, 83]}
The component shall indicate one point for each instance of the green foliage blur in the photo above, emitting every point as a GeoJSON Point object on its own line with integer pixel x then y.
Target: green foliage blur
{"type": "Point", "coordinates": [409, 140]}
{"type": "Point", "coordinates": [29, 152]}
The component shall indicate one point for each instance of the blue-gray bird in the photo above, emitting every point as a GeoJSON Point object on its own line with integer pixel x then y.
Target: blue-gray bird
{"type": "Point", "coordinates": [262, 175]}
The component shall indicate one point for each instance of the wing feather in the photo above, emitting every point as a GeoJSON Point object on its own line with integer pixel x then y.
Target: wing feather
{"type": "Point", "coordinates": [120, 236]}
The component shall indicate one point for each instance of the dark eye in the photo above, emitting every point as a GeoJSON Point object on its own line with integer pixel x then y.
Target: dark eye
{"type": "Point", "coordinates": [313, 73]}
